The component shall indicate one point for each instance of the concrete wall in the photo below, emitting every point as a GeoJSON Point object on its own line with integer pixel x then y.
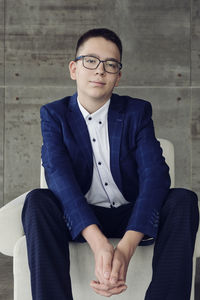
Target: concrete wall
{"type": "Point", "coordinates": [161, 64]}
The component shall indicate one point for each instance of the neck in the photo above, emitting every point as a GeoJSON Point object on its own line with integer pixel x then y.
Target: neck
{"type": "Point", "coordinates": [92, 105]}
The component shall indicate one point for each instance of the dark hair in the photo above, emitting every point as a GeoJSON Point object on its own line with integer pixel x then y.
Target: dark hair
{"type": "Point", "coordinates": [100, 32]}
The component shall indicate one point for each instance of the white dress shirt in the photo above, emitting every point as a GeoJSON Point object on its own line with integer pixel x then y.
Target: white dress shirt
{"type": "Point", "coordinates": [103, 190]}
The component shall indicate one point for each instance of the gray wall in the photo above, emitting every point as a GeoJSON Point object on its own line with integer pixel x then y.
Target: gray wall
{"type": "Point", "coordinates": [161, 64]}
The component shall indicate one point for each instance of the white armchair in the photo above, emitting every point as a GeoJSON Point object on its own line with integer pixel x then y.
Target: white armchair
{"type": "Point", "coordinates": [13, 243]}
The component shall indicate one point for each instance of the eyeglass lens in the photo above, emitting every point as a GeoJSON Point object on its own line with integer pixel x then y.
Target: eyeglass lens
{"type": "Point", "coordinates": [92, 63]}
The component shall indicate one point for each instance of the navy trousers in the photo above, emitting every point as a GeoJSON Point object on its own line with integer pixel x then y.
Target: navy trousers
{"type": "Point", "coordinates": [48, 244]}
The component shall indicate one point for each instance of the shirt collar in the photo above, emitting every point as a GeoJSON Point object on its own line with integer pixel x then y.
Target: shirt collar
{"type": "Point", "coordinates": [99, 114]}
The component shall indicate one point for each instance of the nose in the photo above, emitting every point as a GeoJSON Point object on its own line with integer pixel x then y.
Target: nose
{"type": "Point", "coordinates": [100, 69]}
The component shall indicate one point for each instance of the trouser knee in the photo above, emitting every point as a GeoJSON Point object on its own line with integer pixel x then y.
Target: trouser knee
{"type": "Point", "coordinates": [39, 198]}
{"type": "Point", "coordinates": [182, 204]}
{"type": "Point", "coordinates": [39, 202]}
{"type": "Point", "coordinates": [182, 197]}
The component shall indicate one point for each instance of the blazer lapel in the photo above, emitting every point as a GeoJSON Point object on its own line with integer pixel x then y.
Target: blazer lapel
{"type": "Point", "coordinates": [115, 126]}
{"type": "Point", "coordinates": [80, 131]}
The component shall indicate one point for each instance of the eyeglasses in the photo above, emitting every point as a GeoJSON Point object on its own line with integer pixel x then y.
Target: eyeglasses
{"type": "Point", "coordinates": [91, 62]}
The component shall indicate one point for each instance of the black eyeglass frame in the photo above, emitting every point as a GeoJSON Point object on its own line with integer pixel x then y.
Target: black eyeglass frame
{"type": "Point", "coordinates": [81, 57]}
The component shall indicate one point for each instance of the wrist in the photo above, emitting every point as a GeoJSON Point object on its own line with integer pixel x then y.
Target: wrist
{"type": "Point", "coordinates": [94, 237]}
{"type": "Point", "coordinates": [129, 242]}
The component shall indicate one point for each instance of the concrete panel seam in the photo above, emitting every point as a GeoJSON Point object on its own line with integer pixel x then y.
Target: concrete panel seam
{"type": "Point", "coordinates": [120, 86]}
{"type": "Point", "coordinates": [4, 96]}
{"type": "Point", "coordinates": [191, 42]}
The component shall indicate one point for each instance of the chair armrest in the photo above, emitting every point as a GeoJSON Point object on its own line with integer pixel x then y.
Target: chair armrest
{"type": "Point", "coordinates": [197, 245]}
{"type": "Point", "coordinates": [10, 224]}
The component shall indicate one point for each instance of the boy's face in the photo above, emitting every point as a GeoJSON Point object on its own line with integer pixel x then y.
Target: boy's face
{"type": "Point", "coordinates": [95, 84]}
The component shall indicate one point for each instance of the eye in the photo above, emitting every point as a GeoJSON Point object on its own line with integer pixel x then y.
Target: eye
{"type": "Point", "coordinates": [112, 64]}
{"type": "Point", "coordinates": [90, 60]}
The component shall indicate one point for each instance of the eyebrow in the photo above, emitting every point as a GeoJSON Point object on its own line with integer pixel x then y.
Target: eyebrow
{"type": "Point", "coordinates": [108, 58]}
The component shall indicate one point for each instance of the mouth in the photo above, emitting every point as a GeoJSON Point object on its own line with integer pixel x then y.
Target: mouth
{"type": "Point", "coordinates": [99, 83]}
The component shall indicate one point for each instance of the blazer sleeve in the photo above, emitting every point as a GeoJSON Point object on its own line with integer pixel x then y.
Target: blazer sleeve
{"type": "Point", "coordinates": [154, 179]}
{"type": "Point", "coordinates": [60, 176]}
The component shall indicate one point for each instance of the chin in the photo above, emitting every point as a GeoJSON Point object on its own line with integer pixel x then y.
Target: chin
{"type": "Point", "coordinates": [100, 96]}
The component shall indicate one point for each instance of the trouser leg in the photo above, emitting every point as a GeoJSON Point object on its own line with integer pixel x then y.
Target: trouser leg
{"type": "Point", "coordinates": [47, 246]}
{"type": "Point", "coordinates": [174, 247]}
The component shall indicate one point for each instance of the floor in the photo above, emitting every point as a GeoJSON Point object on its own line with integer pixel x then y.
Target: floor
{"type": "Point", "coordinates": [6, 278]}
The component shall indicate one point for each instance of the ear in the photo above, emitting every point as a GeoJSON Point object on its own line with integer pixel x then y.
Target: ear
{"type": "Point", "coordinates": [72, 69]}
{"type": "Point", "coordinates": [118, 78]}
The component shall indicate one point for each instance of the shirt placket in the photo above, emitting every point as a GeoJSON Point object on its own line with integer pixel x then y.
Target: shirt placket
{"type": "Point", "coordinates": [100, 160]}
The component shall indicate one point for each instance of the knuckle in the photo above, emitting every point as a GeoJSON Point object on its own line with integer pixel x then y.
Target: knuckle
{"type": "Point", "coordinates": [107, 264]}
{"type": "Point", "coordinates": [114, 276]}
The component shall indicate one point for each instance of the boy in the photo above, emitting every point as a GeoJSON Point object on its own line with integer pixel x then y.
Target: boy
{"type": "Point", "coordinates": [106, 178]}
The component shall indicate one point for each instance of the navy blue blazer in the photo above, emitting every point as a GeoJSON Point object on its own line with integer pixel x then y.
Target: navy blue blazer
{"type": "Point", "coordinates": [137, 165]}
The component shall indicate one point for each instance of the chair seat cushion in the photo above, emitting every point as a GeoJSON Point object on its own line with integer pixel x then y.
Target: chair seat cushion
{"type": "Point", "coordinates": [82, 272]}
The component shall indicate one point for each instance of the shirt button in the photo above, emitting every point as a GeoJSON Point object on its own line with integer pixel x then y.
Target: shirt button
{"type": "Point", "coordinates": [94, 140]}
{"type": "Point", "coordinates": [113, 203]}
{"type": "Point", "coordinates": [90, 118]}
{"type": "Point", "coordinates": [99, 163]}
{"type": "Point", "coordinates": [100, 122]}
{"type": "Point", "coordinates": [106, 183]}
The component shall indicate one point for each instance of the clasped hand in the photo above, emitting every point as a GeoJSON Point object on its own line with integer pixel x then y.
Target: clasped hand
{"type": "Point", "coordinates": [110, 269]}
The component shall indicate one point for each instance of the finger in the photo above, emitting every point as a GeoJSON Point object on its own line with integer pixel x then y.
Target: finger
{"type": "Point", "coordinates": [107, 263]}
{"type": "Point", "coordinates": [122, 274]}
{"type": "Point", "coordinates": [110, 292]}
{"type": "Point", "coordinates": [116, 266]}
{"type": "Point", "coordinates": [98, 285]}
{"type": "Point", "coordinates": [98, 270]}
{"type": "Point", "coordinates": [102, 293]}
{"type": "Point", "coordinates": [101, 287]}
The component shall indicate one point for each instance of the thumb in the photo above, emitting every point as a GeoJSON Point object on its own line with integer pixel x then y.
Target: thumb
{"type": "Point", "coordinates": [107, 262]}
